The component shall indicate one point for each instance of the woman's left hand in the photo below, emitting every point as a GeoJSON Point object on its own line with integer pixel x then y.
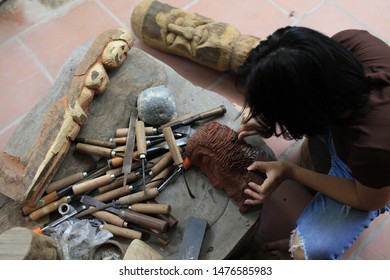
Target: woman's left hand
{"type": "Point", "coordinates": [276, 172]}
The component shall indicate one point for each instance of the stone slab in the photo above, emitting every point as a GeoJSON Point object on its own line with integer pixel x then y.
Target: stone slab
{"type": "Point", "coordinates": [227, 227]}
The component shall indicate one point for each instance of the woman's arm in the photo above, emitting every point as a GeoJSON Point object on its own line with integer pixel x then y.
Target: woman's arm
{"type": "Point", "coordinates": [347, 191]}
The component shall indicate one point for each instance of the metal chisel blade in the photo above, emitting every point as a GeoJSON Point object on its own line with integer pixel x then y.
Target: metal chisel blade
{"type": "Point", "coordinates": [192, 239]}
{"type": "Point", "coordinates": [127, 160]}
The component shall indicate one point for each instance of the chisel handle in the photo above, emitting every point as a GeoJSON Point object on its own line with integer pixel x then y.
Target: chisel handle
{"type": "Point", "coordinates": [96, 142]}
{"type": "Point", "coordinates": [144, 208]}
{"type": "Point", "coordinates": [113, 185]}
{"type": "Point", "coordinates": [160, 178]}
{"type": "Point", "coordinates": [172, 221]}
{"type": "Point", "coordinates": [122, 132]}
{"type": "Point", "coordinates": [70, 180]}
{"type": "Point", "coordinates": [143, 220]}
{"type": "Point", "coordinates": [95, 150]}
{"type": "Point", "coordinates": [173, 148]}
{"type": "Point", "coordinates": [119, 140]}
{"type": "Point", "coordinates": [220, 110]}
{"type": "Point", "coordinates": [92, 184]}
{"type": "Point", "coordinates": [121, 231]}
{"type": "Point", "coordinates": [138, 197]}
{"type": "Point", "coordinates": [140, 137]}
{"type": "Point", "coordinates": [51, 207]}
{"type": "Point", "coordinates": [115, 162]}
{"type": "Point", "coordinates": [115, 193]}
{"type": "Point", "coordinates": [110, 218]}
{"type": "Point", "coordinates": [45, 200]}
{"type": "Point", "coordinates": [178, 120]}
{"type": "Point", "coordinates": [163, 163]}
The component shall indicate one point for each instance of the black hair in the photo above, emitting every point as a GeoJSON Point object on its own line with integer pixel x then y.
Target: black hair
{"type": "Point", "coordinates": [298, 81]}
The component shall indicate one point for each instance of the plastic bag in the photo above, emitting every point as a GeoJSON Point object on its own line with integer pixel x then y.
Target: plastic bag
{"type": "Point", "coordinates": [76, 238]}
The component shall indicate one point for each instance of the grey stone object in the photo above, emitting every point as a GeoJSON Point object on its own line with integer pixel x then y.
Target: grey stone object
{"type": "Point", "coordinates": [156, 105]}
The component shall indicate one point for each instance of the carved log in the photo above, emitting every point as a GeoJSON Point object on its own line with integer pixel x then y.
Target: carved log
{"type": "Point", "coordinates": [64, 119]}
{"type": "Point", "coordinates": [213, 44]}
{"type": "Point", "coordinates": [223, 158]}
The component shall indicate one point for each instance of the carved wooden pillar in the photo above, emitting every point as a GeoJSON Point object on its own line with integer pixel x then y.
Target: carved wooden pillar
{"type": "Point", "coordinates": [213, 44]}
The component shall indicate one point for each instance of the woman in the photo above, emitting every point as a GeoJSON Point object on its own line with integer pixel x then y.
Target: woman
{"type": "Point", "coordinates": [300, 83]}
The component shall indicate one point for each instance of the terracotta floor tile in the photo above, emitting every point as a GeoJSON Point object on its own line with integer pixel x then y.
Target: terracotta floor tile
{"type": "Point", "coordinates": [17, 15]}
{"type": "Point", "coordinates": [123, 9]}
{"type": "Point", "coordinates": [379, 246]}
{"type": "Point", "coordinates": [23, 83]}
{"type": "Point", "coordinates": [354, 252]}
{"type": "Point", "coordinates": [297, 8]}
{"type": "Point", "coordinates": [328, 19]}
{"type": "Point", "coordinates": [374, 16]}
{"type": "Point", "coordinates": [54, 40]}
{"type": "Point", "coordinates": [261, 17]}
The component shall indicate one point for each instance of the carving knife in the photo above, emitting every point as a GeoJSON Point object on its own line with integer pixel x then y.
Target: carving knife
{"type": "Point", "coordinates": [176, 155]}
{"type": "Point", "coordinates": [128, 157]}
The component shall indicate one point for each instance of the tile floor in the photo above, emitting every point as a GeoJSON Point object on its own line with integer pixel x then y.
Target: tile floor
{"type": "Point", "coordinates": [37, 36]}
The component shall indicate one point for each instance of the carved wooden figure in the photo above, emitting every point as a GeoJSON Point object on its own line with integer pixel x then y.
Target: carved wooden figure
{"type": "Point", "coordinates": [64, 119]}
{"type": "Point", "coordinates": [223, 158]}
{"type": "Point", "coordinates": [213, 44]}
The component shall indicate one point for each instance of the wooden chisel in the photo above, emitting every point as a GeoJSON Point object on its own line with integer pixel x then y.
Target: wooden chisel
{"type": "Point", "coordinates": [176, 155]}
{"type": "Point", "coordinates": [129, 216]}
{"type": "Point", "coordinates": [141, 146]}
{"type": "Point", "coordinates": [128, 156]}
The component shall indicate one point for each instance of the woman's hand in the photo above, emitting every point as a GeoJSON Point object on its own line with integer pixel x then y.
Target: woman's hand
{"type": "Point", "coordinates": [247, 127]}
{"type": "Point", "coordinates": [276, 172]}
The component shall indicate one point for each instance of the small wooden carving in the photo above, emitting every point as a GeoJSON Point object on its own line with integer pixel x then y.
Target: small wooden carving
{"type": "Point", "coordinates": [223, 158]}
{"type": "Point", "coordinates": [213, 44]}
{"type": "Point", "coordinates": [64, 119]}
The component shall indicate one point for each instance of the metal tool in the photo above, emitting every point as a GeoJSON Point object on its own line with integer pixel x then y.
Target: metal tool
{"type": "Point", "coordinates": [176, 155]}
{"type": "Point", "coordinates": [97, 142]}
{"type": "Point", "coordinates": [140, 219]}
{"type": "Point", "coordinates": [63, 188]}
{"type": "Point", "coordinates": [215, 112]}
{"type": "Point", "coordinates": [192, 239]}
{"type": "Point", "coordinates": [141, 146]}
{"type": "Point", "coordinates": [128, 157]}
{"type": "Point", "coordinates": [163, 147]}
{"type": "Point", "coordinates": [60, 220]}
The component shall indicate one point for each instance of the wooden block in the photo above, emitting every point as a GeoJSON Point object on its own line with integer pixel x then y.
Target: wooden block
{"type": "Point", "coordinates": [20, 243]}
{"type": "Point", "coordinates": [139, 250]}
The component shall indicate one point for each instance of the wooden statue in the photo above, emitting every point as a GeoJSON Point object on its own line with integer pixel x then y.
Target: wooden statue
{"type": "Point", "coordinates": [223, 158]}
{"type": "Point", "coordinates": [64, 119]}
{"type": "Point", "coordinates": [213, 44]}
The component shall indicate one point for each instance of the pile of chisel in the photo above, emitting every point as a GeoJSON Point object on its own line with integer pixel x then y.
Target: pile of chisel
{"type": "Point", "coordinates": [138, 163]}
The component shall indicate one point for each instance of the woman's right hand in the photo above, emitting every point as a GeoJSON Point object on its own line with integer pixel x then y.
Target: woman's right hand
{"type": "Point", "coordinates": [247, 127]}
